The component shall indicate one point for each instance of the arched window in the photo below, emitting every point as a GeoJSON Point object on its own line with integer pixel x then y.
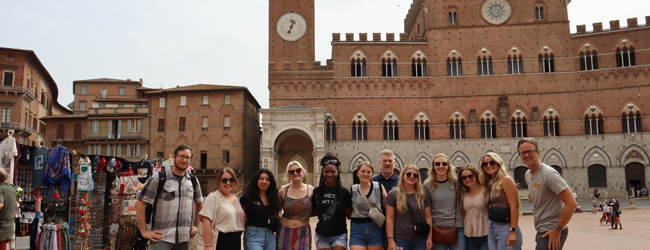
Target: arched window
{"type": "Point", "coordinates": [457, 126]}
{"type": "Point", "coordinates": [77, 131]}
{"type": "Point", "coordinates": [454, 64]}
{"type": "Point", "coordinates": [358, 64]}
{"type": "Point", "coordinates": [631, 119]}
{"type": "Point", "coordinates": [330, 130]}
{"type": "Point", "coordinates": [593, 121]}
{"type": "Point", "coordinates": [453, 18]}
{"type": "Point", "coordinates": [520, 177]}
{"type": "Point", "coordinates": [484, 65]}
{"type": "Point", "coordinates": [546, 63]}
{"type": "Point", "coordinates": [418, 64]}
{"type": "Point", "coordinates": [60, 131]}
{"type": "Point", "coordinates": [625, 57]}
{"type": "Point", "coordinates": [597, 175]}
{"type": "Point", "coordinates": [588, 60]}
{"type": "Point", "coordinates": [488, 125]}
{"type": "Point", "coordinates": [515, 62]}
{"type": "Point", "coordinates": [388, 64]}
{"type": "Point", "coordinates": [421, 127]}
{"type": "Point", "coordinates": [391, 126]}
{"type": "Point", "coordinates": [551, 123]}
{"type": "Point", "coordinates": [518, 124]}
{"type": "Point", "coordinates": [359, 128]}
{"type": "Point", "coordinates": [539, 13]}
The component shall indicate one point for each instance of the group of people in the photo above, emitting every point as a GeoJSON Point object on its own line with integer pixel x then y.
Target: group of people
{"type": "Point", "coordinates": [611, 210]}
{"type": "Point", "coordinates": [473, 207]}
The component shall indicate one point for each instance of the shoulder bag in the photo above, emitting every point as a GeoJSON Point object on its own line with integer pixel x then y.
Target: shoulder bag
{"type": "Point", "coordinates": [421, 227]}
{"type": "Point", "coordinates": [497, 214]}
{"type": "Point", "coordinates": [374, 213]}
{"type": "Point", "coordinates": [272, 222]}
{"type": "Point", "coordinates": [447, 235]}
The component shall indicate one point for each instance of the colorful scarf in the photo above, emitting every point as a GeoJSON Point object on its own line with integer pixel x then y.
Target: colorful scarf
{"type": "Point", "coordinates": [58, 169]}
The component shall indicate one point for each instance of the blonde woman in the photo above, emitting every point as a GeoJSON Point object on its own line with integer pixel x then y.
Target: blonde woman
{"type": "Point", "coordinates": [399, 222]}
{"type": "Point", "coordinates": [224, 209]}
{"type": "Point", "coordinates": [441, 187]}
{"type": "Point", "coordinates": [503, 232]}
{"type": "Point", "coordinates": [295, 198]}
{"type": "Point", "coordinates": [364, 233]}
{"type": "Point", "coordinates": [473, 199]}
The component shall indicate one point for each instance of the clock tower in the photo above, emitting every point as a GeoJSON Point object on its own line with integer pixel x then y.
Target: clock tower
{"type": "Point", "coordinates": [291, 33]}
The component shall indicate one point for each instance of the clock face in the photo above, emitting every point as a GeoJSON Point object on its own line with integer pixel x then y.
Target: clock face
{"type": "Point", "coordinates": [496, 11]}
{"type": "Point", "coordinates": [291, 26]}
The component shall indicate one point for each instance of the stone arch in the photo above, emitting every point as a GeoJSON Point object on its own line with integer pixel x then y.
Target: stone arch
{"type": "Point", "coordinates": [423, 160]}
{"type": "Point", "coordinates": [399, 164]}
{"type": "Point", "coordinates": [282, 129]}
{"type": "Point", "coordinates": [515, 161]}
{"type": "Point", "coordinates": [204, 142]}
{"type": "Point", "coordinates": [520, 176]}
{"type": "Point", "coordinates": [554, 157]}
{"type": "Point", "coordinates": [633, 153]}
{"type": "Point", "coordinates": [181, 140]}
{"type": "Point", "coordinates": [596, 155]}
{"type": "Point", "coordinates": [356, 159]}
{"type": "Point", "coordinates": [458, 159]}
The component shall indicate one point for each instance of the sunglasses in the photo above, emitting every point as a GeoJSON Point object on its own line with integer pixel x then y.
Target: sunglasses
{"type": "Point", "coordinates": [487, 163]}
{"type": "Point", "coordinates": [437, 164]}
{"type": "Point", "coordinates": [226, 180]}
{"type": "Point", "coordinates": [467, 177]}
{"type": "Point", "coordinates": [331, 161]}
{"type": "Point", "coordinates": [297, 171]}
{"type": "Point", "coordinates": [414, 175]}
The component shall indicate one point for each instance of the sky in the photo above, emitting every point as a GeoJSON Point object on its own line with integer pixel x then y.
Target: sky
{"type": "Point", "coordinates": [170, 43]}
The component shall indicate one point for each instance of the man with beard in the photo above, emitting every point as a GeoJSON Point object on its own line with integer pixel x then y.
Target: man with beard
{"type": "Point", "coordinates": [386, 178]}
{"type": "Point", "coordinates": [173, 219]}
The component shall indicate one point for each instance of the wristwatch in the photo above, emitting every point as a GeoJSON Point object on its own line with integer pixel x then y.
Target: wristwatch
{"type": "Point", "coordinates": [559, 228]}
{"type": "Point", "coordinates": [513, 229]}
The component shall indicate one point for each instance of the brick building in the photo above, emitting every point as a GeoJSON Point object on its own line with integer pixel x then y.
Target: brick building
{"type": "Point", "coordinates": [220, 123]}
{"type": "Point", "coordinates": [463, 82]}
{"type": "Point", "coordinates": [28, 95]}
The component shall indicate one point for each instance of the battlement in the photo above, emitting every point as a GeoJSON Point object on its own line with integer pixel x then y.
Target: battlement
{"type": "Point", "coordinates": [613, 25]}
{"type": "Point", "coordinates": [376, 37]}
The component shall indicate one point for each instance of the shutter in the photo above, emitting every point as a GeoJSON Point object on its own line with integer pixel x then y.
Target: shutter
{"type": "Point", "coordinates": [108, 150]}
{"type": "Point", "coordinates": [130, 126]}
{"type": "Point", "coordinates": [128, 150]}
{"type": "Point", "coordinates": [139, 125]}
{"type": "Point", "coordinates": [138, 150]}
{"type": "Point", "coordinates": [119, 151]}
{"type": "Point", "coordinates": [119, 129]}
{"type": "Point", "coordinates": [110, 129]}
{"type": "Point", "coordinates": [99, 149]}
{"type": "Point", "coordinates": [90, 148]}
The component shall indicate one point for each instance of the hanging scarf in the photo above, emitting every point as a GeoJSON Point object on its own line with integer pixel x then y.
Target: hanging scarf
{"type": "Point", "coordinates": [58, 169]}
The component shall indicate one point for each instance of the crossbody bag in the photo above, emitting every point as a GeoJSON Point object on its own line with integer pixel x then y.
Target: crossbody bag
{"type": "Point", "coordinates": [375, 212]}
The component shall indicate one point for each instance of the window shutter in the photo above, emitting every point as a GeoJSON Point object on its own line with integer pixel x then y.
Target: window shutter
{"type": "Point", "coordinates": [138, 150]}
{"type": "Point", "coordinates": [108, 150]}
{"type": "Point", "coordinates": [130, 126]}
{"type": "Point", "coordinates": [99, 150]}
{"type": "Point", "coordinates": [110, 129]}
{"type": "Point", "coordinates": [119, 129]}
{"type": "Point", "coordinates": [140, 125]}
{"type": "Point", "coordinates": [119, 151]}
{"type": "Point", "coordinates": [128, 150]}
{"type": "Point", "coordinates": [90, 148]}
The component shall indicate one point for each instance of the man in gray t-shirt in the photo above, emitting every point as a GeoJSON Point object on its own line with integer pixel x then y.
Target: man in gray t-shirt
{"type": "Point", "coordinates": [553, 202]}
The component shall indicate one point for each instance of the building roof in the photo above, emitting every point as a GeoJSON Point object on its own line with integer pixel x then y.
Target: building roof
{"type": "Point", "coordinates": [66, 116]}
{"type": "Point", "coordinates": [129, 99]}
{"type": "Point", "coordinates": [105, 80]}
{"type": "Point", "coordinates": [197, 87]}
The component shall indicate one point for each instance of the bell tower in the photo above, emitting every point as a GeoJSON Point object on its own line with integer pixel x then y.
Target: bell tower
{"type": "Point", "coordinates": [291, 33]}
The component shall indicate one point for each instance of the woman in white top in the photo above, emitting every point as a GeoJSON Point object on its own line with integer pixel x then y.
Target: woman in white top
{"type": "Point", "coordinates": [224, 209]}
{"type": "Point", "coordinates": [473, 200]}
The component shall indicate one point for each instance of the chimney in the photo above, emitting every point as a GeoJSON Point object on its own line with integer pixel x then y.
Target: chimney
{"type": "Point", "coordinates": [141, 83]}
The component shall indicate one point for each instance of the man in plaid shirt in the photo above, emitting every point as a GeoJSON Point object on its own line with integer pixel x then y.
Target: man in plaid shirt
{"type": "Point", "coordinates": [175, 220]}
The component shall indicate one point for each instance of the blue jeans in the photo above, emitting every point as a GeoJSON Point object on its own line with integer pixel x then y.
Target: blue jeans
{"type": "Point", "coordinates": [411, 244]}
{"type": "Point", "coordinates": [365, 234]}
{"type": "Point", "coordinates": [329, 242]}
{"type": "Point", "coordinates": [498, 236]}
{"type": "Point", "coordinates": [257, 238]}
{"type": "Point", "coordinates": [460, 243]}
{"type": "Point", "coordinates": [477, 243]}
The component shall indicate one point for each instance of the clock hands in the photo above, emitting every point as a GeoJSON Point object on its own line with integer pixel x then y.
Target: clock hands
{"type": "Point", "coordinates": [291, 27]}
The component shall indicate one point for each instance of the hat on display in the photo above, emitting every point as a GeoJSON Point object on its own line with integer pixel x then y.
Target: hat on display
{"type": "Point", "coordinates": [110, 165]}
{"type": "Point", "coordinates": [95, 162]}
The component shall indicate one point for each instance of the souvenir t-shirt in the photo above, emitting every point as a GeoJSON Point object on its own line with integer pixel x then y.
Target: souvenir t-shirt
{"type": "Point", "coordinates": [403, 227]}
{"type": "Point", "coordinates": [8, 152]}
{"type": "Point", "coordinates": [40, 157]}
{"type": "Point", "coordinates": [336, 225]}
{"type": "Point", "coordinates": [85, 177]}
{"type": "Point", "coordinates": [25, 157]}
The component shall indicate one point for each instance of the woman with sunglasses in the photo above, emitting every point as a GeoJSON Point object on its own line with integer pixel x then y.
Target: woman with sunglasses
{"type": "Point", "coordinates": [441, 187]}
{"type": "Point", "coordinates": [473, 200]}
{"type": "Point", "coordinates": [331, 202]}
{"type": "Point", "coordinates": [224, 209]}
{"type": "Point", "coordinates": [502, 193]}
{"type": "Point", "coordinates": [364, 233]}
{"type": "Point", "coordinates": [295, 199]}
{"type": "Point", "coordinates": [399, 225]}
{"type": "Point", "coordinates": [261, 208]}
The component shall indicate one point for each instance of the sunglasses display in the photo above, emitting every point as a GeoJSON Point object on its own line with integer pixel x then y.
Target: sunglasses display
{"type": "Point", "coordinates": [437, 164]}
{"type": "Point", "coordinates": [297, 171]}
{"type": "Point", "coordinates": [486, 163]}
{"type": "Point", "coordinates": [409, 174]}
{"type": "Point", "coordinates": [467, 177]}
{"type": "Point", "coordinates": [226, 180]}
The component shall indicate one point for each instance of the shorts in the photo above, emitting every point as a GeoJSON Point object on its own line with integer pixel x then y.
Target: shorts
{"type": "Point", "coordinates": [365, 234]}
{"type": "Point", "coordinates": [329, 242]}
{"type": "Point", "coordinates": [293, 238]}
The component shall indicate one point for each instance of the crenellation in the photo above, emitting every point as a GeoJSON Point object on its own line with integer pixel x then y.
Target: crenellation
{"type": "Point", "coordinates": [272, 66]}
{"type": "Point", "coordinates": [376, 36]}
{"type": "Point", "coordinates": [390, 37]}
{"type": "Point", "coordinates": [581, 29]}
{"type": "Point", "coordinates": [614, 25]}
{"type": "Point", "coordinates": [632, 22]}
{"type": "Point", "coordinates": [301, 65]}
{"type": "Point", "coordinates": [286, 65]}
{"type": "Point", "coordinates": [336, 36]}
{"type": "Point", "coordinates": [403, 37]}
{"type": "Point", "coordinates": [349, 36]}
{"type": "Point", "coordinates": [598, 26]}
{"type": "Point", "coordinates": [363, 37]}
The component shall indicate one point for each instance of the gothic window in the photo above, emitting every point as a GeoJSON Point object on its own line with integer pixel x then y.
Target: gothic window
{"type": "Point", "coordinates": [421, 127]}
{"type": "Point", "coordinates": [488, 125]}
{"type": "Point", "coordinates": [546, 63]}
{"type": "Point", "coordinates": [388, 64]}
{"type": "Point", "coordinates": [539, 13]}
{"type": "Point", "coordinates": [457, 126]}
{"type": "Point", "coordinates": [515, 62]}
{"type": "Point", "coordinates": [593, 121]}
{"type": "Point", "coordinates": [453, 18]}
{"type": "Point", "coordinates": [631, 119]}
{"type": "Point", "coordinates": [597, 176]}
{"type": "Point", "coordinates": [418, 64]}
{"type": "Point", "coordinates": [588, 60]}
{"type": "Point", "coordinates": [330, 128]}
{"type": "Point", "coordinates": [454, 64]}
{"type": "Point", "coordinates": [625, 57]}
{"type": "Point", "coordinates": [551, 123]}
{"type": "Point", "coordinates": [391, 127]}
{"type": "Point", "coordinates": [358, 64]}
{"type": "Point", "coordinates": [518, 124]}
{"type": "Point", "coordinates": [484, 65]}
{"type": "Point", "coordinates": [359, 128]}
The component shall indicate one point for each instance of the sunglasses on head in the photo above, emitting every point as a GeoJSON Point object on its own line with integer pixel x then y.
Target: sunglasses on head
{"type": "Point", "coordinates": [330, 161]}
{"type": "Point", "coordinates": [297, 171]}
{"type": "Point", "coordinates": [414, 175]}
{"type": "Point", "coordinates": [437, 164]}
{"type": "Point", "coordinates": [467, 177]}
{"type": "Point", "coordinates": [486, 163]}
{"type": "Point", "coordinates": [226, 180]}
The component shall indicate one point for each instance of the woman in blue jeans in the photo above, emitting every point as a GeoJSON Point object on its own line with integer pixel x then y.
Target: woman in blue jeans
{"type": "Point", "coordinates": [365, 234]}
{"type": "Point", "coordinates": [260, 210]}
{"type": "Point", "coordinates": [503, 193]}
{"type": "Point", "coordinates": [405, 201]}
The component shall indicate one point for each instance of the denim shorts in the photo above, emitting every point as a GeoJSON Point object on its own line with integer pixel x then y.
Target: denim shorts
{"type": "Point", "coordinates": [365, 234]}
{"type": "Point", "coordinates": [329, 242]}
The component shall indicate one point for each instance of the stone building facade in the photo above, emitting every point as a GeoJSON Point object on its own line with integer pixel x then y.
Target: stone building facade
{"type": "Point", "coordinates": [221, 124]}
{"type": "Point", "coordinates": [463, 82]}
{"type": "Point", "coordinates": [28, 94]}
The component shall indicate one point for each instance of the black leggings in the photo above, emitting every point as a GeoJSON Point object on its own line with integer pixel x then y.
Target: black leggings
{"type": "Point", "coordinates": [229, 241]}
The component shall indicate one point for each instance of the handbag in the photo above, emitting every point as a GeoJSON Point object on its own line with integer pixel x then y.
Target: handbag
{"type": "Point", "coordinates": [422, 227]}
{"type": "Point", "coordinates": [447, 235]}
{"type": "Point", "coordinates": [497, 214]}
{"type": "Point", "coordinates": [375, 213]}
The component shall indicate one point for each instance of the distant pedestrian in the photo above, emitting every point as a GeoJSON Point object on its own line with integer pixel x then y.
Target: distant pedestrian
{"type": "Point", "coordinates": [594, 205]}
{"type": "Point", "coordinates": [616, 215]}
{"type": "Point", "coordinates": [644, 193]}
